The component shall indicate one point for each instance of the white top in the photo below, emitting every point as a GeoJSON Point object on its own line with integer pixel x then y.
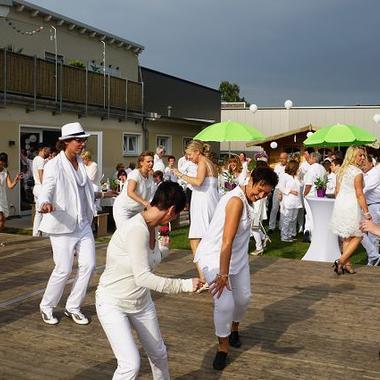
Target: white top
{"type": "Point", "coordinates": [288, 184]}
{"type": "Point", "coordinates": [208, 252]}
{"type": "Point", "coordinates": [169, 176]}
{"type": "Point", "coordinates": [158, 164]}
{"type": "Point", "coordinates": [279, 170]}
{"type": "Point", "coordinates": [331, 183]}
{"type": "Point", "coordinates": [93, 173]}
{"type": "Point", "coordinates": [181, 162]}
{"type": "Point", "coordinates": [302, 170]}
{"type": "Point", "coordinates": [144, 188]}
{"type": "Point", "coordinates": [127, 277]}
{"type": "Point", "coordinates": [316, 170]}
{"type": "Point", "coordinates": [188, 168]}
{"type": "Point", "coordinates": [372, 186]}
{"type": "Point", "coordinates": [38, 164]}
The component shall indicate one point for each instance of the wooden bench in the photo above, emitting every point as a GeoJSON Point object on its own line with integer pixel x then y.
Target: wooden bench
{"type": "Point", "coordinates": [101, 222]}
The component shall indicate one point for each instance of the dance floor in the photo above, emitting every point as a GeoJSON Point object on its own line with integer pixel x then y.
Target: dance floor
{"type": "Point", "coordinates": [303, 322]}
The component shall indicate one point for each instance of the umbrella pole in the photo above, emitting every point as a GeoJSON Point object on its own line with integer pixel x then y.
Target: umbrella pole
{"type": "Point", "coordinates": [229, 149]}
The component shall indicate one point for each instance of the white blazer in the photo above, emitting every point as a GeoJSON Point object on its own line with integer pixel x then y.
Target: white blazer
{"type": "Point", "coordinates": [60, 189]}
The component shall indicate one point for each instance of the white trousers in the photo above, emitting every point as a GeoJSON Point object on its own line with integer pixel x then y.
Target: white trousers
{"type": "Point", "coordinates": [371, 242]}
{"type": "Point", "coordinates": [81, 242]}
{"type": "Point", "coordinates": [118, 324]}
{"type": "Point", "coordinates": [232, 304]}
{"type": "Point", "coordinates": [308, 217]}
{"type": "Point", "coordinates": [37, 216]}
{"type": "Point", "coordinates": [274, 210]}
{"type": "Point", "coordinates": [259, 237]}
{"type": "Point", "coordinates": [289, 223]}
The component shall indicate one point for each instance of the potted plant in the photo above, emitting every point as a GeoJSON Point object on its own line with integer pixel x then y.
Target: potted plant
{"type": "Point", "coordinates": [320, 184]}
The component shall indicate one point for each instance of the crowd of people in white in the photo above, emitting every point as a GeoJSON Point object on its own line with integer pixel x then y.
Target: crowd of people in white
{"type": "Point", "coordinates": [227, 205]}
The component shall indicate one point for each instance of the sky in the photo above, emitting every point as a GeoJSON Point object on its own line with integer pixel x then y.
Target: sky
{"type": "Point", "coordinates": [314, 52]}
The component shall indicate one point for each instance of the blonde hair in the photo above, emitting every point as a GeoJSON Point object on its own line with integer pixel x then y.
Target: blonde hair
{"type": "Point", "coordinates": [201, 147]}
{"type": "Point", "coordinates": [349, 159]}
{"type": "Point", "coordinates": [236, 161]}
{"type": "Point", "coordinates": [86, 155]}
{"type": "Point", "coordinates": [142, 156]}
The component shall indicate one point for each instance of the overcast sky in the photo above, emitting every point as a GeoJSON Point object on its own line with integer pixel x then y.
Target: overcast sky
{"type": "Point", "coordinates": [315, 52]}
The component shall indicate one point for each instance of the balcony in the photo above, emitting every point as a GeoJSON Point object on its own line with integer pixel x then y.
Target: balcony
{"type": "Point", "coordinates": [32, 81]}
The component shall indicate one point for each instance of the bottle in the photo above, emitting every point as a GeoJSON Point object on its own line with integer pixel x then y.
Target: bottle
{"type": "Point", "coordinates": [108, 184]}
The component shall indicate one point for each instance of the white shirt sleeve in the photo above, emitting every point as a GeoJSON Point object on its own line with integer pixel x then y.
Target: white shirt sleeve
{"type": "Point", "coordinates": [138, 249]}
{"type": "Point", "coordinates": [92, 171]}
{"type": "Point", "coordinates": [134, 175]}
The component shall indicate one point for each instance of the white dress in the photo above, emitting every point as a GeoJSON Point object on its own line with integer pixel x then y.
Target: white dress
{"type": "Point", "coordinates": [203, 203]}
{"type": "Point", "coordinates": [346, 215]}
{"type": "Point", "coordinates": [3, 193]}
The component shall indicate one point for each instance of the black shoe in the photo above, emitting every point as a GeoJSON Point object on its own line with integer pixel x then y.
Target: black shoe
{"type": "Point", "coordinates": [306, 237]}
{"type": "Point", "coordinates": [220, 360]}
{"type": "Point", "coordinates": [234, 339]}
{"type": "Point", "coordinates": [270, 232]}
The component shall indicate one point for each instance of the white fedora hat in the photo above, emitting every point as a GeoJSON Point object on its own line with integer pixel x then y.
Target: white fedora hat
{"type": "Point", "coordinates": [72, 131]}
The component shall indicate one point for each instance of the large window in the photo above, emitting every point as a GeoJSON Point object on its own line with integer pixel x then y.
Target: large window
{"type": "Point", "coordinates": [185, 141]}
{"type": "Point", "coordinates": [166, 142]}
{"type": "Point", "coordinates": [131, 144]}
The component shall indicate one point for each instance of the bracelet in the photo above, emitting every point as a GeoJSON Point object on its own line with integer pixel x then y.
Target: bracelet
{"type": "Point", "coordinates": [222, 275]}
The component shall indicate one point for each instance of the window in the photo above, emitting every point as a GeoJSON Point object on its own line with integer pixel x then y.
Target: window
{"type": "Point", "coordinates": [50, 57]}
{"type": "Point", "coordinates": [131, 144]}
{"type": "Point", "coordinates": [166, 142]}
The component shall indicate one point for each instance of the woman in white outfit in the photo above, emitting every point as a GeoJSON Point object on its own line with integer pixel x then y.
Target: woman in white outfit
{"type": "Point", "coordinates": [205, 194]}
{"type": "Point", "coordinates": [93, 173]}
{"type": "Point", "coordinates": [123, 299]}
{"type": "Point", "coordinates": [5, 181]}
{"type": "Point", "coordinates": [290, 187]}
{"type": "Point", "coordinates": [222, 257]}
{"type": "Point", "coordinates": [350, 206]}
{"type": "Point", "coordinates": [139, 190]}
{"type": "Point", "coordinates": [67, 204]}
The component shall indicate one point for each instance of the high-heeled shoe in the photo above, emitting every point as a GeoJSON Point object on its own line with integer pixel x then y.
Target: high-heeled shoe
{"type": "Point", "coordinates": [338, 268]}
{"type": "Point", "coordinates": [348, 268]}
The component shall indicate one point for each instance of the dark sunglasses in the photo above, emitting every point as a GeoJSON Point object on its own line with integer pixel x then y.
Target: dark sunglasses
{"type": "Point", "coordinates": [79, 140]}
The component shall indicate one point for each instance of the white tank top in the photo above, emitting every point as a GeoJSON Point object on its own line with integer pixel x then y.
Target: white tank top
{"type": "Point", "coordinates": [208, 252]}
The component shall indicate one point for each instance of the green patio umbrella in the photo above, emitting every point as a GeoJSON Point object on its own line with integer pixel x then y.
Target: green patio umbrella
{"type": "Point", "coordinates": [340, 135]}
{"type": "Point", "coordinates": [229, 131]}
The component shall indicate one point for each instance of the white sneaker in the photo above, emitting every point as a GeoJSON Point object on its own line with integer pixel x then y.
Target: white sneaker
{"type": "Point", "coordinates": [78, 317]}
{"type": "Point", "coordinates": [257, 252]}
{"type": "Point", "coordinates": [49, 318]}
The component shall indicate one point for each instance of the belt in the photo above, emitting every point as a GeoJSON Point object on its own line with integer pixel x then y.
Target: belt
{"type": "Point", "coordinates": [375, 203]}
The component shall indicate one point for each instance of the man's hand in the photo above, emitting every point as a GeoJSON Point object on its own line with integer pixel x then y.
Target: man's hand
{"type": "Point", "coordinates": [46, 208]}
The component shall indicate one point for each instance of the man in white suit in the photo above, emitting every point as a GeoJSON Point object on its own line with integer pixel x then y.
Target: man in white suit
{"type": "Point", "coordinates": [67, 205]}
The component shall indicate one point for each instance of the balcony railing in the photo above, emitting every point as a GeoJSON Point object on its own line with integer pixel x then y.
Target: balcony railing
{"type": "Point", "coordinates": [34, 79]}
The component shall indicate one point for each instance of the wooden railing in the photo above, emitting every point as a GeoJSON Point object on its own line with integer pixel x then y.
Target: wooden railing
{"type": "Point", "coordinates": [34, 78]}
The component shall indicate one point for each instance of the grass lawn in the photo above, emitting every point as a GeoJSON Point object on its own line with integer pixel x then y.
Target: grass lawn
{"type": "Point", "coordinates": [277, 248]}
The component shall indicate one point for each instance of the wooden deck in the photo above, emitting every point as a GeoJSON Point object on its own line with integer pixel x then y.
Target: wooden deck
{"type": "Point", "coordinates": [303, 323]}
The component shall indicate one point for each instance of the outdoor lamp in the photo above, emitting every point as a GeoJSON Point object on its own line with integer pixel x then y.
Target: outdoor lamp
{"type": "Point", "coordinates": [273, 145]}
{"type": "Point", "coordinates": [253, 108]}
{"type": "Point", "coordinates": [309, 134]}
{"type": "Point", "coordinates": [376, 118]}
{"type": "Point", "coordinates": [288, 104]}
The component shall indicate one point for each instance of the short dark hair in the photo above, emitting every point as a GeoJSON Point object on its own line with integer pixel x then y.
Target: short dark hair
{"type": "Point", "coordinates": [171, 158]}
{"type": "Point", "coordinates": [309, 150]}
{"type": "Point", "coordinates": [121, 172]}
{"type": "Point", "coordinates": [291, 167]}
{"type": "Point", "coordinates": [266, 175]}
{"type": "Point", "coordinates": [169, 194]}
{"type": "Point", "coordinates": [338, 161]}
{"type": "Point", "coordinates": [4, 158]}
{"type": "Point", "coordinates": [159, 174]}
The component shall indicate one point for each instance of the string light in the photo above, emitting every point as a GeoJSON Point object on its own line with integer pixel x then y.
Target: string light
{"type": "Point", "coordinates": [18, 29]}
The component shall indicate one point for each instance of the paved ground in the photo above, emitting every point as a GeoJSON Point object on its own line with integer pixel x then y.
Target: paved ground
{"type": "Point", "coordinates": [303, 323]}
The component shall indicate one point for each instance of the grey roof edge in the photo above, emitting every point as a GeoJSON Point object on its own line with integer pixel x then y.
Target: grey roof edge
{"type": "Point", "coordinates": [180, 79]}
{"type": "Point", "coordinates": [69, 20]}
{"type": "Point", "coordinates": [269, 108]}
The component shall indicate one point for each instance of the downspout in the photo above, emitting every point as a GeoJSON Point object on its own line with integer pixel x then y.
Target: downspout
{"type": "Point", "coordinates": [143, 118]}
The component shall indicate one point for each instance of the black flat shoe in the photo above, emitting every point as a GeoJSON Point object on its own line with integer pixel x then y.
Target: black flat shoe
{"type": "Point", "coordinates": [234, 339]}
{"type": "Point", "coordinates": [220, 360]}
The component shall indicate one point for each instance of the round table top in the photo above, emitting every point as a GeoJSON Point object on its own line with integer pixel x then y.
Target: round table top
{"type": "Point", "coordinates": [320, 199]}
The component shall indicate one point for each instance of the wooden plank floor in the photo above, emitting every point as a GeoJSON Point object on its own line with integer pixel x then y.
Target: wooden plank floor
{"type": "Point", "coordinates": [303, 323]}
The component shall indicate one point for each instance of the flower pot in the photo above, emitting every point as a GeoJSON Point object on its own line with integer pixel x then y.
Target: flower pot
{"type": "Point", "coordinates": [229, 186]}
{"type": "Point", "coordinates": [321, 193]}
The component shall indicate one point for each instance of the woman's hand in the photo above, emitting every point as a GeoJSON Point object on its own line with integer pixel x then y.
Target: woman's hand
{"type": "Point", "coordinates": [217, 286]}
{"type": "Point", "coordinates": [197, 283]}
{"type": "Point", "coordinates": [176, 172]}
{"type": "Point", "coordinates": [146, 205]}
{"type": "Point", "coordinates": [110, 194]}
{"type": "Point", "coordinates": [368, 226]}
{"type": "Point", "coordinates": [46, 208]}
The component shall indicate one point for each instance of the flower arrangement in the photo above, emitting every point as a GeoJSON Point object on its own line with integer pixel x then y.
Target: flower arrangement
{"type": "Point", "coordinates": [320, 184]}
{"type": "Point", "coordinates": [163, 235]}
{"type": "Point", "coordinates": [230, 181]}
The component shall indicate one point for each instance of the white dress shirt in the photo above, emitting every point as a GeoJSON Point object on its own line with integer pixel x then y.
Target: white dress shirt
{"type": "Point", "coordinates": [372, 186]}
{"type": "Point", "coordinates": [316, 170]}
